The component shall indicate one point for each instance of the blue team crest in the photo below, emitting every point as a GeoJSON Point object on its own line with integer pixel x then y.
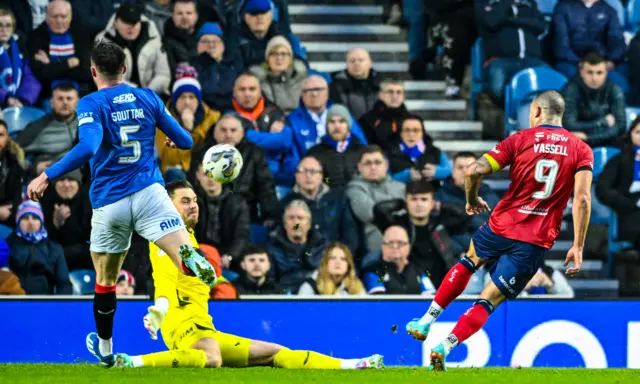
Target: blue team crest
{"type": "Point", "coordinates": [8, 81]}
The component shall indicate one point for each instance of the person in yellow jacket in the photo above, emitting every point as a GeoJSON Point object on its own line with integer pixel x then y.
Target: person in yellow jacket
{"type": "Point", "coordinates": [181, 313]}
{"type": "Point", "coordinates": [193, 114]}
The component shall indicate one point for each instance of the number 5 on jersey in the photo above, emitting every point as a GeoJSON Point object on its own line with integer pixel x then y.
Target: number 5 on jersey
{"type": "Point", "coordinates": [127, 143]}
{"type": "Point", "coordinates": [546, 172]}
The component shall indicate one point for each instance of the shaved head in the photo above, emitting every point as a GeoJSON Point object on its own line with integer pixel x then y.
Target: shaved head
{"type": "Point", "coordinates": [551, 103]}
{"type": "Point", "coordinates": [546, 108]}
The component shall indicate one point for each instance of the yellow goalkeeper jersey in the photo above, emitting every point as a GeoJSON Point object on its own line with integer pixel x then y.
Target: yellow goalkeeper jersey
{"type": "Point", "coordinates": [188, 296]}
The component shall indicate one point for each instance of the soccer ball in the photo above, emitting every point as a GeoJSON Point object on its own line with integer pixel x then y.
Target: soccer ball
{"type": "Point", "coordinates": [222, 163]}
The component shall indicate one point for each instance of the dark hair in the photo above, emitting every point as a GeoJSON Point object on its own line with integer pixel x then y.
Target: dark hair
{"type": "Point", "coordinates": [108, 58]}
{"type": "Point", "coordinates": [4, 124]}
{"type": "Point", "coordinates": [64, 87]}
{"type": "Point", "coordinates": [416, 187]}
{"type": "Point", "coordinates": [245, 74]}
{"type": "Point", "coordinates": [592, 58]}
{"type": "Point", "coordinates": [194, 2]}
{"type": "Point", "coordinates": [254, 249]}
{"type": "Point", "coordinates": [372, 148]}
{"type": "Point", "coordinates": [412, 116]}
{"type": "Point", "coordinates": [175, 185]}
{"type": "Point", "coordinates": [464, 155]}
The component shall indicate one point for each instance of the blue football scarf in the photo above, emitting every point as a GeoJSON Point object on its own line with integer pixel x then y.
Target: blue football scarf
{"type": "Point", "coordinates": [339, 146]}
{"type": "Point", "coordinates": [636, 168]}
{"type": "Point", "coordinates": [413, 152]}
{"type": "Point", "coordinates": [60, 46]}
{"type": "Point", "coordinates": [32, 238]}
{"type": "Point", "coordinates": [10, 68]}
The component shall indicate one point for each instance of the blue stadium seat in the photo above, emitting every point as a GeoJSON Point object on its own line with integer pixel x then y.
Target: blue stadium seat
{"type": "Point", "coordinates": [83, 281]}
{"type": "Point", "coordinates": [632, 114]}
{"type": "Point", "coordinates": [281, 191]}
{"type": "Point", "coordinates": [523, 86]}
{"type": "Point", "coordinates": [622, 16]}
{"type": "Point", "coordinates": [633, 15]}
{"type": "Point", "coordinates": [546, 6]}
{"type": "Point", "coordinates": [477, 80]}
{"type": "Point", "coordinates": [615, 244]}
{"type": "Point", "coordinates": [600, 212]}
{"type": "Point", "coordinates": [19, 117]}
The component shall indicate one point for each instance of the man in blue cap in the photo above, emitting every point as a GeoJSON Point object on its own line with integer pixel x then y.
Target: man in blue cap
{"type": "Point", "coordinates": [256, 29]}
{"type": "Point", "coordinates": [216, 73]}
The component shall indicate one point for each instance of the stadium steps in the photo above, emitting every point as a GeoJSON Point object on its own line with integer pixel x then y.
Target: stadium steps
{"type": "Point", "coordinates": [329, 28]}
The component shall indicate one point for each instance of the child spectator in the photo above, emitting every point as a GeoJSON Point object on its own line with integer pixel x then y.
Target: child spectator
{"type": "Point", "coordinates": [126, 284]}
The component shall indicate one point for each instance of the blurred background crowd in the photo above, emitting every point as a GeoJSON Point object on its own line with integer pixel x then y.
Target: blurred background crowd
{"type": "Point", "coordinates": [355, 143]}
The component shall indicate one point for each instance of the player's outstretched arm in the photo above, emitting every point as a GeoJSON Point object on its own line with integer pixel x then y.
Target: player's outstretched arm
{"type": "Point", "coordinates": [473, 177]}
{"type": "Point", "coordinates": [90, 137]}
{"type": "Point", "coordinates": [167, 124]}
{"type": "Point", "coordinates": [581, 216]}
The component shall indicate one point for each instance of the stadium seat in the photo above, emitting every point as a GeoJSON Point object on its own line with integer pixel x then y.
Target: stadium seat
{"type": "Point", "coordinates": [633, 15]}
{"type": "Point", "coordinates": [546, 6]}
{"type": "Point", "coordinates": [599, 212]}
{"type": "Point", "coordinates": [523, 86]}
{"type": "Point", "coordinates": [632, 114]}
{"type": "Point", "coordinates": [281, 191]}
{"type": "Point", "coordinates": [622, 16]}
{"type": "Point", "coordinates": [615, 244]}
{"type": "Point", "coordinates": [477, 80]}
{"type": "Point", "coordinates": [83, 281]}
{"type": "Point", "coordinates": [19, 117]}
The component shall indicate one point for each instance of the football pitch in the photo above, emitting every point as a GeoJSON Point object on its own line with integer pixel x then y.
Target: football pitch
{"type": "Point", "coordinates": [84, 373]}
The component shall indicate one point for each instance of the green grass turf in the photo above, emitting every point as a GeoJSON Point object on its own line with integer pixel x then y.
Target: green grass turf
{"type": "Point", "coordinates": [84, 373]}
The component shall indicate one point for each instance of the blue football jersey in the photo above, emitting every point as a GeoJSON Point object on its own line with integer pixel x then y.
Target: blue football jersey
{"type": "Point", "coordinates": [120, 123]}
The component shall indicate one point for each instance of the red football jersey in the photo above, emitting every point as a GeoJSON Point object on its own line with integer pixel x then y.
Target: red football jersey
{"type": "Point", "coordinates": [543, 163]}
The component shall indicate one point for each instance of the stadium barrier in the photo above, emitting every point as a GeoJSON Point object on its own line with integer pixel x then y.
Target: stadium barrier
{"type": "Point", "coordinates": [526, 333]}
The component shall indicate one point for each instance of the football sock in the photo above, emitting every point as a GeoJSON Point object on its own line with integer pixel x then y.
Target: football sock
{"type": "Point", "coordinates": [349, 363]}
{"type": "Point", "coordinates": [452, 286]}
{"type": "Point", "coordinates": [104, 309]}
{"type": "Point", "coordinates": [468, 324]}
{"type": "Point", "coordinates": [286, 358]}
{"type": "Point", "coordinates": [179, 358]}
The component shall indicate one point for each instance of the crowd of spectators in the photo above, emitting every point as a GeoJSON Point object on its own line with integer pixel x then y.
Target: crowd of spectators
{"type": "Point", "coordinates": [343, 191]}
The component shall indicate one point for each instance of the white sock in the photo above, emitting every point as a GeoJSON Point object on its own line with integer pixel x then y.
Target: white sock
{"type": "Point", "coordinates": [349, 363]}
{"type": "Point", "coordinates": [450, 342]}
{"type": "Point", "coordinates": [137, 361]}
{"type": "Point", "coordinates": [432, 314]}
{"type": "Point", "coordinates": [105, 346]}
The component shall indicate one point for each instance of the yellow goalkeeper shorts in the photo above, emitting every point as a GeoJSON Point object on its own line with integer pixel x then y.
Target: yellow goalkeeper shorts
{"type": "Point", "coordinates": [234, 349]}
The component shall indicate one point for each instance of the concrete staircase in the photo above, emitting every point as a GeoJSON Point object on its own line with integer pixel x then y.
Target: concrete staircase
{"type": "Point", "coordinates": [329, 28]}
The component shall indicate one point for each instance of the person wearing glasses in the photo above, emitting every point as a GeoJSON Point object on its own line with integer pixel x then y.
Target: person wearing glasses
{"type": "Point", "coordinates": [395, 273]}
{"type": "Point", "coordinates": [18, 85]}
{"type": "Point", "coordinates": [413, 156]}
{"type": "Point", "coordinates": [330, 211]}
{"type": "Point", "coordinates": [309, 120]}
{"type": "Point", "coordinates": [383, 121]}
{"type": "Point", "coordinates": [370, 187]}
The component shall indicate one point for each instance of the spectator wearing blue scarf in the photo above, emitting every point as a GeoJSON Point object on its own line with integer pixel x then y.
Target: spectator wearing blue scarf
{"type": "Point", "coordinates": [18, 85]}
{"type": "Point", "coordinates": [340, 150]}
{"type": "Point", "coordinates": [412, 155]}
{"type": "Point", "coordinates": [60, 49]}
{"type": "Point", "coordinates": [38, 262]}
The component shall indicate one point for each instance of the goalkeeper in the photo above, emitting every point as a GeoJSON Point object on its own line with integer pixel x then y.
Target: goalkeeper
{"type": "Point", "coordinates": [181, 313]}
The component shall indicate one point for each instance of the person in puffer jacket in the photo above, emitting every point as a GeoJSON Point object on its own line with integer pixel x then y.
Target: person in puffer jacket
{"type": "Point", "coordinates": [296, 247]}
{"type": "Point", "coordinates": [509, 30]}
{"type": "Point", "coordinates": [281, 75]}
{"type": "Point", "coordinates": [584, 26]}
{"type": "Point", "coordinates": [356, 86]}
{"type": "Point", "coordinates": [37, 261]}
{"type": "Point", "coordinates": [146, 61]}
{"type": "Point", "coordinates": [256, 29]}
{"type": "Point", "coordinates": [217, 72]}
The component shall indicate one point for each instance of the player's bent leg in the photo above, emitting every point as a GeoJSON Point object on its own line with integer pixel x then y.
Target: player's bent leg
{"type": "Point", "coordinates": [107, 266]}
{"type": "Point", "coordinates": [452, 286]}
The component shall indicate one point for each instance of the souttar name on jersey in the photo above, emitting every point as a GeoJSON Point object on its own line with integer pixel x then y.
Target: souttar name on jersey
{"type": "Point", "coordinates": [554, 149]}
{"type": "Point", "coordinates": [127, 114]}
